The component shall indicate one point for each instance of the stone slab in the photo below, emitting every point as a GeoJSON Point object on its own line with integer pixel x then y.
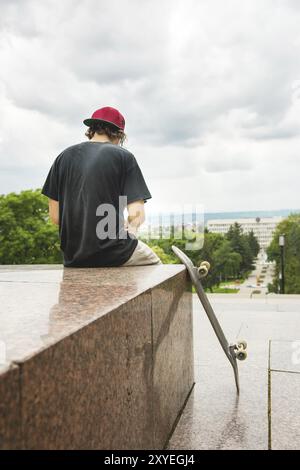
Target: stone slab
{"type": "Point", "coordinates": [91, 346]}
{"type": "Point", "coordinates": [215, 418]}
{"type": "Point", "coordinates": [10, 422]}
{"type": "Point", "coordinates": [39, 308]}
{"type": "Point", "coordinates": [212, 419]}
{"type": "Point", "coordinates": [285, 356]}
{"type": "Point", "coordinates": [93, 390]}
{"type": "Point", "coordinates": [285, 411]}
{"type": "Point", "coordinates": [173, 374]}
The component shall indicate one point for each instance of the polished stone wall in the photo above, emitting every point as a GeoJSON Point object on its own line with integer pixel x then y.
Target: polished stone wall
{"type": "Point", "coordinates": [10, 422]}
{"type": "Point", "coordinates": [173, 372]}
{"type": "Point", "coordinates": [104, 359]}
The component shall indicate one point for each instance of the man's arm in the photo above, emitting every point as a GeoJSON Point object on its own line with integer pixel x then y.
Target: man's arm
{"type": "Point", "coordinates": [54, 211]}
{"type": "Point", "coordinates": [136, 216]}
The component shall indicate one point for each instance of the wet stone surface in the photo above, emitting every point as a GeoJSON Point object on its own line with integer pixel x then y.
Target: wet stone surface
{"type": "Point", "coordinates": [214, 417]}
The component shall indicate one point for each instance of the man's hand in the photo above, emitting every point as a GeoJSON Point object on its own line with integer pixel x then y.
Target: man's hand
{"type": "Point", "coordinates": [136, 216]}
{"type": "Point", "coordinates": [54, 211]}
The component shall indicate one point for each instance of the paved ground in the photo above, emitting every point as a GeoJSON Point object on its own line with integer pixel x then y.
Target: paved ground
{"type": "Point", "coordinates": [267, 412]}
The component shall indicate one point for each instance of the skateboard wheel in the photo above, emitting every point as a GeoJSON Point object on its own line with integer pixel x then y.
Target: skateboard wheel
{"type": "Point", "coordinates": [205, 263]}
{"type": "Point", "coordinates": [202, 271]}
{"type": "Point", "coordinates": [241, 355]}
{"type": "Point", "coordinates": [242, 344]}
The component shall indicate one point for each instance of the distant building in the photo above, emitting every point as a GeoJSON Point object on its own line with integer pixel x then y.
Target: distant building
{"type": "Point", "coordinates": [263, 228]}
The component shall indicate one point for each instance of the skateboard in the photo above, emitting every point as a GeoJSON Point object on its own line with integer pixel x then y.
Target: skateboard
{"type": "Point", "coordinates": [233, 351]}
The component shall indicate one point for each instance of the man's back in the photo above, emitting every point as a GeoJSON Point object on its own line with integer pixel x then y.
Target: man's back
{"type": "Point", "coordinates": [87, 179]}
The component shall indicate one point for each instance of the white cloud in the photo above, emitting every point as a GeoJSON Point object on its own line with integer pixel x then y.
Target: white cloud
{"type": "Point", "coordinates": [209, 90]}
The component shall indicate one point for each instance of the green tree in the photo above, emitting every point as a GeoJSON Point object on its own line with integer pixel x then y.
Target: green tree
{"type": "Point", "coordinates": [217, 250]}
{"type": "Point", "coordinates": [253, 243]}
{"type": "Point", "coordinates": [165, 246]}
{"type": "Point", "coordinates": [165, 257]}
{"type": "Point", "coordinates": [240, 244]}
{"type": "Point", "coordinates": [227, 261]}
{"type": "Point", "coordinates": [26, 234]}
{"type": "Point", "coordinates": [212, 242]}
{"type": "Point", "coordinates": [290, 227]}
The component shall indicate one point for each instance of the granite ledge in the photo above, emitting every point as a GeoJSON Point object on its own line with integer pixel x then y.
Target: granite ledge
{"type": "Point", "coordinates": [10, 403]}
{"type": "Point", "coordinates": [58, 302]}
{"type": "Point", "coordinates": [58, 335]}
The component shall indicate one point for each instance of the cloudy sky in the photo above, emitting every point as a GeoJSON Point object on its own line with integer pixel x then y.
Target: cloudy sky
{"type": "Point", "coordinates": [210, 90]}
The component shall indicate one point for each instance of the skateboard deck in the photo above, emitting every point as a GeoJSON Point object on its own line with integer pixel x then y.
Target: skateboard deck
{"type": "Point", "coordinates": [232, 351]}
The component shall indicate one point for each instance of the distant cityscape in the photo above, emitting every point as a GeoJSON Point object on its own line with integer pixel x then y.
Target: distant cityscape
{"type": "Point", "coordinates": [262, 223]}
{"type": "Point", "coordinates": [164, 218]}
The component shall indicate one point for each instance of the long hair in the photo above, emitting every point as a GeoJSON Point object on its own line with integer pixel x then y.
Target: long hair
{"type": "Point", "coordinates": [110, 130]}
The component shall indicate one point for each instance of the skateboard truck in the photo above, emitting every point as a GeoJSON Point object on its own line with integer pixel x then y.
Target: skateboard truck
{"type": "Point", "coordinates": [239, 349]}
{"type": "Point", "coordinates": [232, 351]}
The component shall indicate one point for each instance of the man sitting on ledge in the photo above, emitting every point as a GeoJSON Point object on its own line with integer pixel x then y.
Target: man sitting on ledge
{"type": "Point", "coordinates": [89, 186]}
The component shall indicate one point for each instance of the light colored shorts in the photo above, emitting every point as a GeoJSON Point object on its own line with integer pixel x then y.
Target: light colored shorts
{"type": "Point", "coordinates": [142, 255]}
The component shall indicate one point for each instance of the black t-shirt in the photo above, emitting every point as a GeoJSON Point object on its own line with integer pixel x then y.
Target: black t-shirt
{"type": "Point", "coordinates": [88, 179]}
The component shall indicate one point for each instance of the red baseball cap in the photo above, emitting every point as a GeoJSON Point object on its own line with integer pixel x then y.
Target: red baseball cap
{"type": "Point", "coordinates": [109, 115]}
